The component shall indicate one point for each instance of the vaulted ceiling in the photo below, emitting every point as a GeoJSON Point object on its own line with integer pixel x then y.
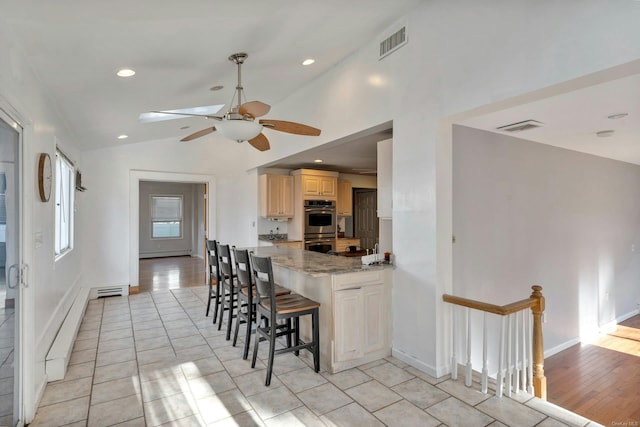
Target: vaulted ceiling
{"type": "Point", "coordinates": [179, 50]}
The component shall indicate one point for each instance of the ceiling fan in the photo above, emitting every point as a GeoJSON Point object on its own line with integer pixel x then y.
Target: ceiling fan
{"type": "Point", "coordinates": [240, 124]}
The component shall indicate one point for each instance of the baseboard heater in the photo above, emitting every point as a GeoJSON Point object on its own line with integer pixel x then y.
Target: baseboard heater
{"type": "Point", "coordinates": [109, 291]}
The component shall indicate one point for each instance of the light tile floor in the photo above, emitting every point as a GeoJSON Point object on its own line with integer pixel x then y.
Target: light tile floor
{"type": "Point", "coordinates": [155, 359]}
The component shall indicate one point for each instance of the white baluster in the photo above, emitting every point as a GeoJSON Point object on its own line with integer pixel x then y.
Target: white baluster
{"type": "Point", "coordinates": [530, 353]}
{"type": "Point", "coordinates": [454, 361]}
{"type": "Point", "coordinates": [467, 378]}
{"type": "Point", "coordinates": [509, 366]}
{"type": "Point", "coordinates": [485, 362]}
{"type": "Point", "coordinates": [516, 359]}
{"type": "Point", "coordinates": [525, 356]}
{"type": "Point", "coordinates": [499, 377]}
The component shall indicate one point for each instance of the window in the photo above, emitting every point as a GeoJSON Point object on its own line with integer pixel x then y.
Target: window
{"type": "Point", "coordinates": [64, 204]}
{"type": "Point", "coordinates": [166, 217]}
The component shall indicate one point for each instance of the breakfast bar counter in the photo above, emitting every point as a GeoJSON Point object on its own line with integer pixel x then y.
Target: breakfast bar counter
{"type": "Point", "coordinates": [355, 303]}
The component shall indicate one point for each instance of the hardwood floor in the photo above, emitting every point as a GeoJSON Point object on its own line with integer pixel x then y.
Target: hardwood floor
{"type": "Point", "coordinates": [600, 381]}
{"type": "Point", "coordinates": [171, 273]}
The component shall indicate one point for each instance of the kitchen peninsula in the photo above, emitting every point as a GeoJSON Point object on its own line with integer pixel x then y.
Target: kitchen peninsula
{"type": "Point", "coordinates": [355, 318]}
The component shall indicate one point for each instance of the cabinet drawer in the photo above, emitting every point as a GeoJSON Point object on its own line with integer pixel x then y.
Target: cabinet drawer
{"type": "Point", "coordinates": [355, 280]}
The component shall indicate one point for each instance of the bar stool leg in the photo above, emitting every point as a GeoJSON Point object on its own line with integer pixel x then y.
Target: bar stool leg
{"type": "Point", "coordinates": [247, 339]}
{"type": "Point", "coordinates": [255, 345]}
{"type": "Point", "coordinates": [316, 340]}
{"type": "Point", "coordinates": [296, 332]}
{"type": "Point", "coordinates": [232, 304]}
{"type": "Point", "coordinates": [209, 301]}
{"type": "Point", "coordinates": [272, 349]}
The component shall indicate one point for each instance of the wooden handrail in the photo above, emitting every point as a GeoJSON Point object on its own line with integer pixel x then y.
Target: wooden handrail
{"type": "Point", "coordinates": [536, 303]}
{"type": "Point", "coordinates": [501, 310]}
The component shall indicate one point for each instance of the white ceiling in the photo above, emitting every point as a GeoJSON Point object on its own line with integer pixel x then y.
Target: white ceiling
{"type": "Point", "coordinates": [179, 50]}
{"type": "Point", "coordinates": [571, 120]}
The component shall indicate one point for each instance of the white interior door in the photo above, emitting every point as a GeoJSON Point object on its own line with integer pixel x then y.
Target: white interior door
{"type": "Point", "coordinates": [10, 272]}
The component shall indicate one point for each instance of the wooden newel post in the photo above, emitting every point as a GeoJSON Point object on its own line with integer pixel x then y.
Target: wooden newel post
{"type": "Point", "coordinates": [539, 380]}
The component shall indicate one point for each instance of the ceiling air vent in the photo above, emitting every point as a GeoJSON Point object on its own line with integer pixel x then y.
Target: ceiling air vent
{"type": "Point", "coordinates": [394, 42]}
{"type": "Point", "coordinates": [520, 126]}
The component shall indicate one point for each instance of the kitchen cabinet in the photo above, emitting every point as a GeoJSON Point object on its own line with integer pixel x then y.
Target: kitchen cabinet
{"type": "Point", "coordinates": [385, 164]}
{"type": "Point", "coordinates": [343, 244]}
{"type": "Point", "coordinates": [295, 245]}
{"type": "Point", "coordinates": [319, 186]}
{"type": "Point", "coordinates": [360, 319]}
{"type": "Point", "coordinates": [276, 196]}
{"type": "Point", "coordinates": [313, 184]}
{"type": "Point", "coordinates": [345, 198]}
{"type": "Point", "coordinates": [348, 311]}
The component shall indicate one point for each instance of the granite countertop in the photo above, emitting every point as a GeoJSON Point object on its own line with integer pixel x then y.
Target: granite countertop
{"type": "Point", "coordinates": [313, 263]}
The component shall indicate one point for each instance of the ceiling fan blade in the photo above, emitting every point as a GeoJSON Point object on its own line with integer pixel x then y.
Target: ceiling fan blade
{"type": "Point", "coordinates": [254, 108]}
{"type": "Point", "coordinates": [208, 116]}
{"type": "Point", "coordinates": [260, 142]}
{"type": "Point", "coordinates": [198, 134]}
{"type": "Point", "coordinates": [290, 127]}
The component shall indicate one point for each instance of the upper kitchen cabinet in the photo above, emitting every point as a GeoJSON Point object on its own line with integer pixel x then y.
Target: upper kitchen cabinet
{"type": "Point", "coordinates": [345, 198]}
{"type": "Point", "coordinates": [276, 196]}
{"type": "Point", "coordinates": [317, 184]}
{"type": "Point", "coordinates": [385, 164]}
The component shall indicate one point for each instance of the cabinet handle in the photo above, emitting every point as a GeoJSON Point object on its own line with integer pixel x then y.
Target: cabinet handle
{"type": "Point", "coordinates": [350, 289]}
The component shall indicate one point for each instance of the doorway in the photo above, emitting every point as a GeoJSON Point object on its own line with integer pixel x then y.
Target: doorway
{"type": "Point", "coordinates": [10, 270]}
{"type": "Point", "coordinates": [365, 216]}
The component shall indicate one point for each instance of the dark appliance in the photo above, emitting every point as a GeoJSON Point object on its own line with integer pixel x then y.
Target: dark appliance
{"type": "Point", "coordinates": [322, 245]}
{"type": "Point", "coordinates": [320, 217]}
{"type": "Point", "coordinates": [320, 225]}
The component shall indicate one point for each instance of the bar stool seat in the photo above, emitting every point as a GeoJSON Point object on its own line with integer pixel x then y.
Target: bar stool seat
{"type": "Point", "coordinates": [274, 310]}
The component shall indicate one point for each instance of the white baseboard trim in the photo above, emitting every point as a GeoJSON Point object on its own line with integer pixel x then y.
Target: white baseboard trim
{"type": "Point", "coordinates": [60, 351]}
{"type": "Point", "coordinates": [418, 364]}
{"type": "Point", "coordinates": [561, 347]}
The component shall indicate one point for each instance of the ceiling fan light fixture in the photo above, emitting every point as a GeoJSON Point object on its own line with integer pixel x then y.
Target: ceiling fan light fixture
{"type": "Point", "coordinates": [308, 61]}
{"type": "Point", "coordinates": [125, 72]}
{"type": "Point", "coordinates": [239, 130]}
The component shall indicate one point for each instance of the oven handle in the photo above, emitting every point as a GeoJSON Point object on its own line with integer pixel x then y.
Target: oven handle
{"type": "Point", "coordinates": [306, 242]}
{"type": "Point", "coordinates": [329, 211]}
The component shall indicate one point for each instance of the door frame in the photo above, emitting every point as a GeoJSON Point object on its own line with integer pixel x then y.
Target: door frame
{"type": "Point", "coordinates": [24, 344]}
{"type": "Point", "coordinates": [135, 176]}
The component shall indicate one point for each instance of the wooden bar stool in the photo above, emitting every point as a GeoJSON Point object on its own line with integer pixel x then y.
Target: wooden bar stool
{"type": "Point", "coordinates": [286, 308]}
{"type": "Point", "coordinates": [247, 297]}
{"type": "Point", "coordinates": [227, 278]}
{"type": "Point", "coordinates": [214, 279]}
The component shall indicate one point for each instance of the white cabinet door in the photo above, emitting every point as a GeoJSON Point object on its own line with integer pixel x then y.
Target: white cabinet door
{"type": "Point", "coordinates": [374, 318]}
{"type": "Point", "coordinates": [286, 196]}
{"type": "Point", "coordinates": [348, 312]}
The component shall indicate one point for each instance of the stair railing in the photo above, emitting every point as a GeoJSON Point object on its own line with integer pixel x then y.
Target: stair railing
{"type": "Point", "coordinates": [521, 350]}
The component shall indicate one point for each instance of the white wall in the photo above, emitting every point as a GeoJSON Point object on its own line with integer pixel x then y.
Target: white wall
{"type": "Point", "coordinates": [52, 285]}
{"type": "Point", "coordinates": [527, 213]}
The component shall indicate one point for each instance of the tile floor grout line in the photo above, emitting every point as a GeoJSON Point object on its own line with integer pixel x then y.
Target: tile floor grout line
{"type": "Point", "coordinates": [139, 381]}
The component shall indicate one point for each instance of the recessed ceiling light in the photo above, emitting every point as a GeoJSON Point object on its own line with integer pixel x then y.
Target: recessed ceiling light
{"type": "Point", "coordinates": [308, 61]}
{"type": "Point", "coordinates": [125, 72]}
{"type": "Point", "coordinates": [317, 161]}
{"type": "Point", "coordinates": [604, 133]}
{"type": "Point", "coordinates": [216, 87]}
{"type": "Point", "coordinates": [123, 136]}
{"type": "Point", "coordinates": [618, 116]}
